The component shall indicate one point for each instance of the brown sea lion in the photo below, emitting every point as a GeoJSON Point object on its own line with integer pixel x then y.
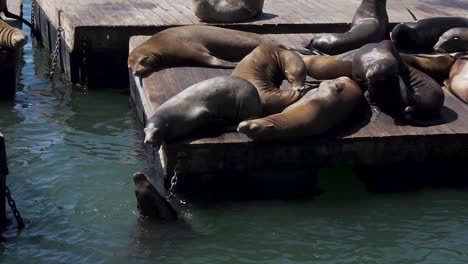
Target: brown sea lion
{"type": "Point", "coordinates": [458, 81]}
{"type": "Point", "coordinates": [395, 86]}
{"type": "Point", "coordinates": [225, 99]}
{"type": "Point", "coordinates": [4, 10]}
{"type": "Point", "coordinates": [437, 66]}
{"type": "Point", "coordinates": [193, 46]}
{"type": "Point", "coordinates": [327, 67]}
{"type": "Point", "coordinates": [226, 11]}
{"type": "Point", "coordinates": [369, 25]}
{"type": "Point", "coordinates": [150, 202]}
{"type": "Point", "coordinates": [454, 40]}
{"type": "Point", "coordinates": [266, 67]}
{"type": "Point", "coordinates": [423, 34]}
{"type": "Point", "coordinates": [10, 37]}
{"type": "Point", "coordinates": [317, 112]}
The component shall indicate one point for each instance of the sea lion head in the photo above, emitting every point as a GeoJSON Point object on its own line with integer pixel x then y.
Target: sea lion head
{"type": "Point", "coordinates": [19, 39]}
{"type": "Point", "coordinates": [295, 70]}
{"type": "Point", "coordinates": [153, 136]}
{"type": "Point", "coordinates": [454, 40]}
{"type": "Point", "coordinates": [404, 37]}
{"type": "Point", "coordinates": [141, 63]}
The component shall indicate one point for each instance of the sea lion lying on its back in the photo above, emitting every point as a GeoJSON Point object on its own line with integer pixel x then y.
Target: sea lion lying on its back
{"type": "Point", "coordinates": [193, 46]}
{"type": "Point", "coordinates": [10, 37]}
{"type": "Point", "coordinates": [226, 11]}
{"type": "Point", "coordinates": [225, 99]}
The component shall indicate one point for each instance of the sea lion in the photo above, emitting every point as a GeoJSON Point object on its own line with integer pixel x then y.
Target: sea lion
{"type": "Point", "coordinates": [327, 67]}
{"type": "Point", "coordinates": [193, 45]}
{"type": "Point", "coordinates": [458, 81]}
{"type": "Point", "coordinates": [150, 202]}
{"type": "Point", "coordinates": [453, 40]}
{"type": "Point", "coordinates": [4, 10]}
{"type": "Point", "coordinates": [223, 99]}
{"type": "Point", "coordinates": [317, 112]}
{"type": "Point", "coordinates": [369, 25]}
{"type": "Point", "coordinates": [266, 67]}
{"type": "Point", "coordinates": [395, 86]}
{"type": "Point", "coordinates": [437, 66]}
{"type": "Point", "coordinates": [227, 11]}
{"type": "Point", "coordinates": [423, 34]}
{"type": "Point", "coordinates": [10, 37]}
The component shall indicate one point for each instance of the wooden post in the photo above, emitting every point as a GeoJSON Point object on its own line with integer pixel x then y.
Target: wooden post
{"type": "Point", "coordinates": [3, 173]}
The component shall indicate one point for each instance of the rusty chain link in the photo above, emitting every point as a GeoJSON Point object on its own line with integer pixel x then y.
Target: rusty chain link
{"type": "Point", "coordinates": [12, 203]}
{"type": "Point", "coordinates": [175, 177]}
{"type": "Point", "coordinates": [55, 53]}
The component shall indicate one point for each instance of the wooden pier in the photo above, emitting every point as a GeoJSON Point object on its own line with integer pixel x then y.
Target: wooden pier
{"type": "Point", "coordinates": [3, 174]}
{"type": "Point", "coordinates": [10, 61]}
{"type": "Point", "coordinates": [94, 49]}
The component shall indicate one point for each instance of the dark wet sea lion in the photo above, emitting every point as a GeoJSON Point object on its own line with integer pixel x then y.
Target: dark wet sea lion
{"type": "Point", "coordinates": [318, 111]}
{"type": "Point", "coordinates": [150, 202]}
{"type": "Point", "coordinates": [395, 86]}
{"type": "Point", "coordinates": [193, 46]}
{"type": "Point", "coordinates": [458, 81]}
{"type": "Point", "coordinates": [226, 11]}
{"type": "Point", "coordinates": [369, 25]}
{"type": "Point", "coordinates": [454, 40]}
{"type": "Point", "coordinates": [437, 66]}
{"type": "Point", "coordinates": [10, 37]}
{"type": "Point", "coordinates": [422, 35]}
{"type": "Point", "coordinates": [266, 67]}
{"type": "Point", "coordinates": [222, 99]}
{"type": "Point", "coordinates": [4, 10]}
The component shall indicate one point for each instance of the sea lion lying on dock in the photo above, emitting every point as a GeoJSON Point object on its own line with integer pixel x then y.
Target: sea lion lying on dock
{"type": "Point", "coordinates": [422, 35]}
{"type": "Point", "coordinates": [328, 67]}
{"type": "Point", "coordinates": [369, 25]}
{"type": "Point", "coordinates": [317, 112]}
{"type": "Point", "coordinates": [150, 202]}
{"type": "Point", "coordinates": [266, 67]}
{"type": "Point", "coordinates": [4, 10]}
{"type": "Point", "coordinates": [454, 40]}
{"type": "Point", "coordinates": [395, 86]}
{"type": "Point", "coordinates": [225, 11]}
{"type": "Point", "coordinates": [437, 66]}
{"type": "Point", "coordinates": [458, 81]}
{"type": "Point", "coordinates": [193, 46]}
{"type": "Point", "coordinates": [225, 99]}
{"type": "Point", "coordinates": [10, 37]}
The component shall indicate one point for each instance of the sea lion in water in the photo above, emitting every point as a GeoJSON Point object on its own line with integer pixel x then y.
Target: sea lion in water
{"type": "Point", "coordinates": [225, 11]}
{"type": "Point", "coordinates": [4, 10]}
{"type": "Point", "coordinates": [458, 81]}
{"type": "Point", "coordinates": [221, 99]}
{"type": "Point", "coordinates": [266, 67]}
{"type": "Point", "coordinates": [150, 202]}
{"type": "Point", "coordinates": [423, 34]}
{"type": "Point", "coordinates": [317, 112]}
{"type": "Point", "coordinates": [193, 45]}
{"type": "Point", "coordinates": [395, 86]}
{"type": "Point", "coordinates": [454, 40]}
{"type": "Point", "coordinates": [370, 24]}
{"type": "Point", "coordinates": [10, 37]}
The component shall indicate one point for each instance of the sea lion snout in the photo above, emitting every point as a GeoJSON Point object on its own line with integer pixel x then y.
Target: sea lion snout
{"type": "Point", "coordinates": [152, 136]}
{"type": "Point", "coordinates": [19, 39]}
{"type": "Point", "coordinates": [139, 177]}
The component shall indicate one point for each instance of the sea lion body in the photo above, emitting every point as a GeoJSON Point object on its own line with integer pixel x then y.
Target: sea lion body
{"type": "Point", "coordinates": [221, 99]}
{"type": "Point", "coordinates": [193, 46]}
{"type": "Point", "coordinates": [150, 202]}
{"type": "Point", "coordinates": [422, 35]}
{"type": "Point", "coordinates": [395, 86]}
{"type": "Point", "coordinates": [370, 24]}
{"type": "Point", "coordinates": [266, 67]}
{"type": "Point", "coordinates": [458, 81]}
{"type": "Point", "coordinates": [318, 111]}
{"type": "Point", "coordinates": [327, 67]}
{"type": "Point", "coordinates": [453, 40]}
{"type": "Point", "coordinates": [226, 11]}
{"type": "Point", "coordinates": [437, 66]}
{"type": "Point", "coordinates": [10, 37]}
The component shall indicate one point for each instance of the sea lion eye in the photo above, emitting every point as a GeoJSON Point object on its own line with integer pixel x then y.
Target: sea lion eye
{"type": "Point", "coordinates": [456, 38]}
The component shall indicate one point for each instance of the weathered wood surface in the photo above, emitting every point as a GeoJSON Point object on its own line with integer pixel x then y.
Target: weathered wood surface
{"type": "Point", "coordinates": [3, 173]}
{"type": "Point", "coordinates": [369, 139]}
{"type": "Point", "coordinates": [107, 25]}
{"type": "Point", "coordinates": [10, 61]}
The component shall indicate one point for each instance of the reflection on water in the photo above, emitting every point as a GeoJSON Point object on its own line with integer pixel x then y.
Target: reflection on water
{"type": "Point", "coordinates": [71, 158]}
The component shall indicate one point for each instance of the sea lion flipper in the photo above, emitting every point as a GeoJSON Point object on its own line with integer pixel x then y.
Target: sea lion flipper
{"type": "Point", "coordinates": [215, 62]}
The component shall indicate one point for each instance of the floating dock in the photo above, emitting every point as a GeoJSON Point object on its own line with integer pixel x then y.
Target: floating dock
{"type": "Point", "coordinates": [10, 61]}
{"type": "Point", "coordinates": [94, 48]}
{"type": "Point", "coordinates": [3, 174]}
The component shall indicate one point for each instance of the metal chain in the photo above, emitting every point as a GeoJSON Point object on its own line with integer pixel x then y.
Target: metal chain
{"type": "Point", "coordinates": [84, 65]}
{"type": "Point", "coordinates": [175, 177]}
{"type": "Point", "coordinates": [55, 53]}
{"type": "Point", "coordinates": [12, 204]}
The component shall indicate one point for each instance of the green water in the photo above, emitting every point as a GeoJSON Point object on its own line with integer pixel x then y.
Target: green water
{"type": "Point", "coordinates": [71, 157]}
